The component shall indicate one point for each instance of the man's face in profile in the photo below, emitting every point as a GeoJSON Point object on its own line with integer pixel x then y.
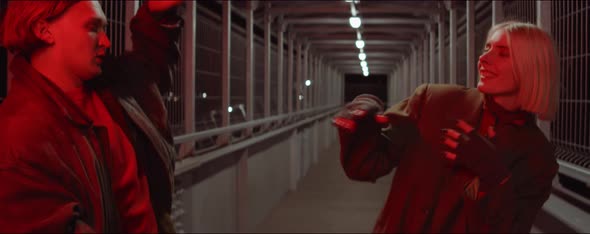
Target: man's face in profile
{"type": "Point", "coordinates": [81, 37]}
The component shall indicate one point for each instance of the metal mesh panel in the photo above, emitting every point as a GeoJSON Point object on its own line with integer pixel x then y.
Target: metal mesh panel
{"type": "Point", "coordinates": [172, 99]}
{"type": "Point", "coordinates": [238, 78]}
{"type": "Point", "coordinates": [208, 72]}
{"type": "Point", "coordinates": [115, 13]}
{"type": "Point", "coordinates": [274, 80]}
{"type": "Point", "coordinates": [461, 60]}
{"type": "Point", "coordinates": [285, 80]}
{"type": "Point", "coordinates": [570, 130]}
{"type": "Point", "coordinates": [524, 11]}
{"type": "Point", "coordinates": [258, 78]}
{"type": "Point", "coordinates": [294, 93]}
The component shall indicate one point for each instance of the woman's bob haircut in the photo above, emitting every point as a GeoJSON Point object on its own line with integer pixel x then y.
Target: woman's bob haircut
{"type": "Point", "coordinates": [536, 68]}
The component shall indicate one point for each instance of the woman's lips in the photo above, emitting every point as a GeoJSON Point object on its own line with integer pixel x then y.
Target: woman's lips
{"type": "Point", "coordinates": [486, 73]}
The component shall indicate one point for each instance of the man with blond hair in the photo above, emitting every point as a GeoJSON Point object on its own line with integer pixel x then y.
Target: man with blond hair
{"type": "Point", "coordinates": [85, 146]}
{"type": "Point", "coordinates": [467, 160]}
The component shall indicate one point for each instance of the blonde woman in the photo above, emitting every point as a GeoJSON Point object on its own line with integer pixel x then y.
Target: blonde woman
{"type": "Point", "coordinates": [467, 160]}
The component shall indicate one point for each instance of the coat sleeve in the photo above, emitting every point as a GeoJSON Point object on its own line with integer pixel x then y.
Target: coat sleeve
{"type": "Point", "coordinates": [34, 201]}
{"type": "Point", "coordinates": [520, 199]}
{"type": "Point", "coordinates": [154, 56]}
{"type": "Point", "coordinates": [367, 157]}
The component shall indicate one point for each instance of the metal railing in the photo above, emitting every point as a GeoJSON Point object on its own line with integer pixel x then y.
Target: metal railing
{"type": "Point", "coordinates": [287, 122]}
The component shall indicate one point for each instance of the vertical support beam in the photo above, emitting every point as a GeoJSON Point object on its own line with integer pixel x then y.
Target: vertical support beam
{"type": "Point", "coordinates": [470, 39]}
{"type": "Point", "coordinates": [442, 58]}
{"type": "Point", "coordinates": [131, 9]}
{"type": "Point", "coordinates": [432, 54]}
{"type": "Point", "coordinates": [225, 64]}
{"type": "Point", "coordinates": [305, 76]}
{"type": "Point", "coordinates": [188, 66]}
{"type": "Point", "coordinates": [299, 76]}
{"type": "Point", "coordinates": [308, 96]}
{"type": "Point", "coordinates": [498, 12]}
{"type": "Point", "coordinates": [452, 44]}
{"type": "Point", "coordinates": [242, 192]}
{"type": "Point", "coordinates": [420, 63]}
{"type": "Point", "coordinates": [330, 85]}
{"type": "Point", "coordinates": [544, 21]}
{"type": "Point", "coordinates": [280, 78]}
{"type": "Point", "coordinates": [425, 60]}
{"type": "Point", "coordinates": [290, 74]}
{"type": "Point", "coordinates": [250, 6]}
{"type": "Point", "coordinates": [294, 159]}
{"type": "Point", "coordinates": [342, 83]}
{"type": "Point", "coordinates": [267, 46]}
{"type": "Point", "coordinates": [414, 64]}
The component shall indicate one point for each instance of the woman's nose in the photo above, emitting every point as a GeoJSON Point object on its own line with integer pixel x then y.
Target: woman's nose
{"type": "Point", "coordinates": [484, 58]}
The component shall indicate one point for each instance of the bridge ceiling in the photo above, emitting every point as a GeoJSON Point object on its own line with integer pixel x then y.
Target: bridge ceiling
{"type": "Point", "coordinates": [389, 28]}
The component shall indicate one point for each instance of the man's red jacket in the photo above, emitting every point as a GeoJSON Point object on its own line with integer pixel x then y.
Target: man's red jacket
{"type": "Point", "coordinates": [55, 165]}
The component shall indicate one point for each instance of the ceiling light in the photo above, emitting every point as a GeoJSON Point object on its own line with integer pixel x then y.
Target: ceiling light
{"type": "Point", "coordinates": [355, 21]}
{"type": "Point", "coordinates": [362, 56]}
{"type": "Point", "coordinates": [363, 63]}
{"type": "Point", "coordinates": [307, 82]}
{"type": "Point", "coordinates": [365, 73]}
{"type": "Point", "coordinates": [360, 44]}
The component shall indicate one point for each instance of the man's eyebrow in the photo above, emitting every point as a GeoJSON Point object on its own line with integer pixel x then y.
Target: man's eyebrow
{"type": "Point", "coordinates": [96, 20]}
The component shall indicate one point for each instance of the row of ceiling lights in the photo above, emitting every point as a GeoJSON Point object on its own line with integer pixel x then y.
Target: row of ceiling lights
{"type": "Point", "coordinates": [355, 22]}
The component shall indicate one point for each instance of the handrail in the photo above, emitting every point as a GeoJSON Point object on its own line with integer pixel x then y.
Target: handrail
{"type": "Point", "coordinates": [195, 136]}
{"type": "Point", "coordinates": [574, 171]}
{"type": "Point", "coordinates": [188, 164]}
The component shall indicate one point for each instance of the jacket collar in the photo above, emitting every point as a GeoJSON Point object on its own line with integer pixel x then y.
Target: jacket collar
{"type": "Point", "coordinates": [22, 69]}
{"type": "Point", "coordinates": [503, 116]}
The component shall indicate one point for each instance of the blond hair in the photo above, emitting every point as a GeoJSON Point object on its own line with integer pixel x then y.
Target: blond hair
{"type": "Point", "coordinates": [19, 19]}
{"type": "Point", "coordinates": [535, 67]}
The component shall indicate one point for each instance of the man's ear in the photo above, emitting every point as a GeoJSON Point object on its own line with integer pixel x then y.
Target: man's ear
{"type": "Point", "coordinates": [42, 30]}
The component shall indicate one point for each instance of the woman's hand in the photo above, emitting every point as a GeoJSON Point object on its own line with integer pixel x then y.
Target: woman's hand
{"type": "Point", "coordinates": [362, 114]}
{"type": "Point", "coordinates": [465, 147]}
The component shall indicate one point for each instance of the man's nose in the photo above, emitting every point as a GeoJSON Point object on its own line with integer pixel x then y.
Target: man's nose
{"type": "Point", "coordinates": [104, 41]}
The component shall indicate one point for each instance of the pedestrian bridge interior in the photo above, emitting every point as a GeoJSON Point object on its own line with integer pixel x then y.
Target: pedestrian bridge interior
{"type": "Point", "coordinates": [259, 82]}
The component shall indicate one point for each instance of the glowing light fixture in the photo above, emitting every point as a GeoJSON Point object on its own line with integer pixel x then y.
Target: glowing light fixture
{"type": "Point", "coordinates": [230, 109]}
{"type": "Point", "coordinates": [360, 44]}
{"type": "Point", "coordinates": [365, 73]}
{"type": "Point", "coordinates": [362, 56]}
{"type": "Point", "coordinates": [355, 21]}
{"type": "Point", "coordinates": [363, 63]}
{"type": "Point", "coordinates": [204, 95]}
{"type": "Point", "coordinates": [300, 97]}
{"type": "Point", "coordinates": [307, 82]}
